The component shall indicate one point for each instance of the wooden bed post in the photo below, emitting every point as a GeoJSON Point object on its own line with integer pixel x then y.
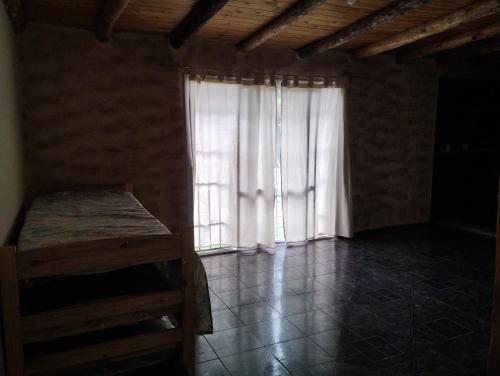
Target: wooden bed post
{"type": "Point", "coordinates": [9, 289]}
{"type": "Point", "coordinates": [129, 187]}
{"type": "Point", "coordinates": [188, 329]}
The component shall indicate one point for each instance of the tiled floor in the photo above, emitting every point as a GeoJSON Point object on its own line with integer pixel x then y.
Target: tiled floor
{"type": "Point", "coordinates": [405, 301]}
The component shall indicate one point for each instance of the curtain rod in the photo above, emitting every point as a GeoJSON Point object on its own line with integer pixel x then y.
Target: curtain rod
{"type": "Point", "coordinates": [240, 72]}
{"type": "Point", "coordinates": [288, 79]}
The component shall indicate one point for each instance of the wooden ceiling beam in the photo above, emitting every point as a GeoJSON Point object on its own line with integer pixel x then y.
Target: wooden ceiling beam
{"type": "Point", "coordinates": [455, 41]}
{"type": "Point", "coordinates": [486, 48]}
{"type": "Point", "coordinates": [298, 10]}
{"type": "Point", "coordinates": [16, 13]}
{"type": "Point", "coordinates": [385, 14]}
{"type": "Point", "coordinates": [110, 14]}
{"type": "Point", "coordinates": [198, 16]}
{"type": "Point", "coordinates": [466, 14]}
{"type": "Point", "coordinates": [470, 51]}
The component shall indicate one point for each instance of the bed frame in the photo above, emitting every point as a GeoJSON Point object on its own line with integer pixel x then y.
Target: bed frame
{"type": "Point", "coordinates": [92, 257]}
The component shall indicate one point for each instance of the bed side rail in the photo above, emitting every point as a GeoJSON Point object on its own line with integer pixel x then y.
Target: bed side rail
{"type": "Point", "coordinates": [32, 192]}
{"type": "Point", "coordinates": [97, 255]}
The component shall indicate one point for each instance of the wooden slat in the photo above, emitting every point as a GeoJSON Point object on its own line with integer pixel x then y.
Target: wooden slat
{"type": "Point", "coordinates": [98, 255]}
{"type": "Point", "coordinates": [98, 324]}
{"type": "Point", "coordinates": [455, 41]}
{"type": "Point", "coordinates": [369, 22]}
{"type": "Point", "coordinates": [110, 14]}
{"type": "Point", "coordinates": [466, 14]}
{"type": "Point", "coordinates": [16, 13]}
{"type": "Point", "coordinates": [13, 340]}
{"type": "Point", "coordinates": [494, 350]}
{"type": "Point", "coordinates": [98, 315]}
{"type": "Point", "coordinates": [298, 10]}
{"type": "Point", "coordinates": [199, 15]}
{"type": "Point", "coordinates": [188, 353]}
{"type": "Point", "coordinates": [238, 18]}
{"type": "Point", "coordinates": [119, 349]}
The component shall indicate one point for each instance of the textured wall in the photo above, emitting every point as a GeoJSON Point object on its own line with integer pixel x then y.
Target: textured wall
{"type": "Point", "coordinates": [392, 111]}
{"type": "Point", "coordinates": [102, 114]}
{"type": "Point", "coordinates": [11, 186]}
{"type": "Point", "coordinates": [111, 113]}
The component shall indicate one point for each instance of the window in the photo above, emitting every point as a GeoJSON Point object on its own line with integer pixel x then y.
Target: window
{"type": "Point", "coordinates": [269, 164]}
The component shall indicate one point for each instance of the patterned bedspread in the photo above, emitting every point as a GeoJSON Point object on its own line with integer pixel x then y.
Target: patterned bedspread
{"type": "Point", "coordinates": [69, 217]}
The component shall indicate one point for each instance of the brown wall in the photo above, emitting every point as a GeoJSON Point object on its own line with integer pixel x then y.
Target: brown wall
{"type": "Point", "coordinates": [99, 114]}
{"type": "Point", "coordinates": [11, 186]}
{"type": "Point", "coordinates": [392, 111]}
{"type": "Point", "coordinates": [96, 113]}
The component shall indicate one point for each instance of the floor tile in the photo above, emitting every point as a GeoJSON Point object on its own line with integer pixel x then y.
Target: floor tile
{"type": "Point", "coordinates": [290, 274]}
{"type": "Point", "coordinates": [293, 304]}
{"type": "Point", "coordinates": [333, 340]}
{"type": "Point", "coordinates": [334, 369]}
{"type": "Point", "coordinates": [225, 319]}
{"type": "Point", "coordinates": [233, 341]}
{"type": "Point", "coordinates": [383, 295]}
{"type": "Point", "coordinates": [299, 353]}
{"type": "Point", "coordinates": [254, 313]}
{"type": "Point", "coordinates": [274, 331]}
{"type": "Point", "coordinates": [304, 285]}
{"type": "Point", "coordinates": [203, 350]}
{"type": "Point", "coordinates": [239, 297]}
{"type": "Point", "coordinates": [438, 283]}
{"type": "Point", "coordinates": [447, 328]}
{"type": "Point", "coordinates": [211, 368]}
{"type": "Point", "coordinates": [211, 262]}
{"type": "Point", "coordinates": [255, 362]}
{"type": "Point", "coordinates": [391, 332]}
{"type": "Point", "coordinates": [413, 300]}
{"type": "Point", "coordinates": [225, 285]}
{"type": "Point", "coordinates": [216, 303]}
{"type": "Point", "coordinates": [432, 363]}
{"type": "Point", "coordinates": [328, 298]}
{"type": "Point", "coordinates": [338, 280]}
{"type": "Point", "coordinates": [252, 279]}
{"type": "Point", "coordinates": [376, 348]}
{"type": "Point", "coordinates": [348, 313]}
{"type": "Point", "coordinates": [218, 273]}
{"type": "Point", "coordinates": [272, 291]}
{"type": "Point", "coordinates": [313, 322]}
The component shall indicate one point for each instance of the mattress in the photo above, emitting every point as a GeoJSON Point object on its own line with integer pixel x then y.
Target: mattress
{"type": "Point", "coordinates": [70, 217]}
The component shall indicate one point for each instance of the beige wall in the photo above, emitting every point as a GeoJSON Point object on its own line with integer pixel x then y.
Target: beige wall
{"type": "Point", "coordinates": [10, 154]}
{"type": "Point", "coordinates": [96, 113]}
{"type": "Point", "coordinates": [392, 110]}
{"type": "Point", "coordinates": [103, 114]}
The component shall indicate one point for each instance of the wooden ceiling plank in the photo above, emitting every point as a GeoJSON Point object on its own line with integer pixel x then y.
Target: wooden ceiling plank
{"type": "Point", "coordinates": [16, 13]}
{"type": "Point", "coordinates": [110, 14]}
{"type": "Point", "coordinates": [471, 51]}
{"type": "Point", "coordinates": [381, 16]}
{"type": "Point", "coordinates": [198, 16]}
{"type": "Point", "coordinates": [487, 48]}
{"type": "Point", "coordinates": [466, 14]}
{"type": "Point", "coordinates": [455, 41]}
{"type": "Point", "coordinates": [299, 9]}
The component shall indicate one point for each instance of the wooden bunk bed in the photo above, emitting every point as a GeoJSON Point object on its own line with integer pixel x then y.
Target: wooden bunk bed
{"type": "Point", "coordinates": [69, 264]}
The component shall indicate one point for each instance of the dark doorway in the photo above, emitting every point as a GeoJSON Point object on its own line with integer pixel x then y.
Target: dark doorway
{"type": "Point", "coordinates": [465, 177]}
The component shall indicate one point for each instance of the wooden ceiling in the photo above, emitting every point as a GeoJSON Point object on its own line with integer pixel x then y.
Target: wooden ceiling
{"type": "Point", "coordinates": [238, 19]}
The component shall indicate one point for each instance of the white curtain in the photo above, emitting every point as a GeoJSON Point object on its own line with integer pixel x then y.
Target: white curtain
{"type": "Point", "coordinates": [232, 129]}
{"type": "Point", "coordinates": [314, 165]}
